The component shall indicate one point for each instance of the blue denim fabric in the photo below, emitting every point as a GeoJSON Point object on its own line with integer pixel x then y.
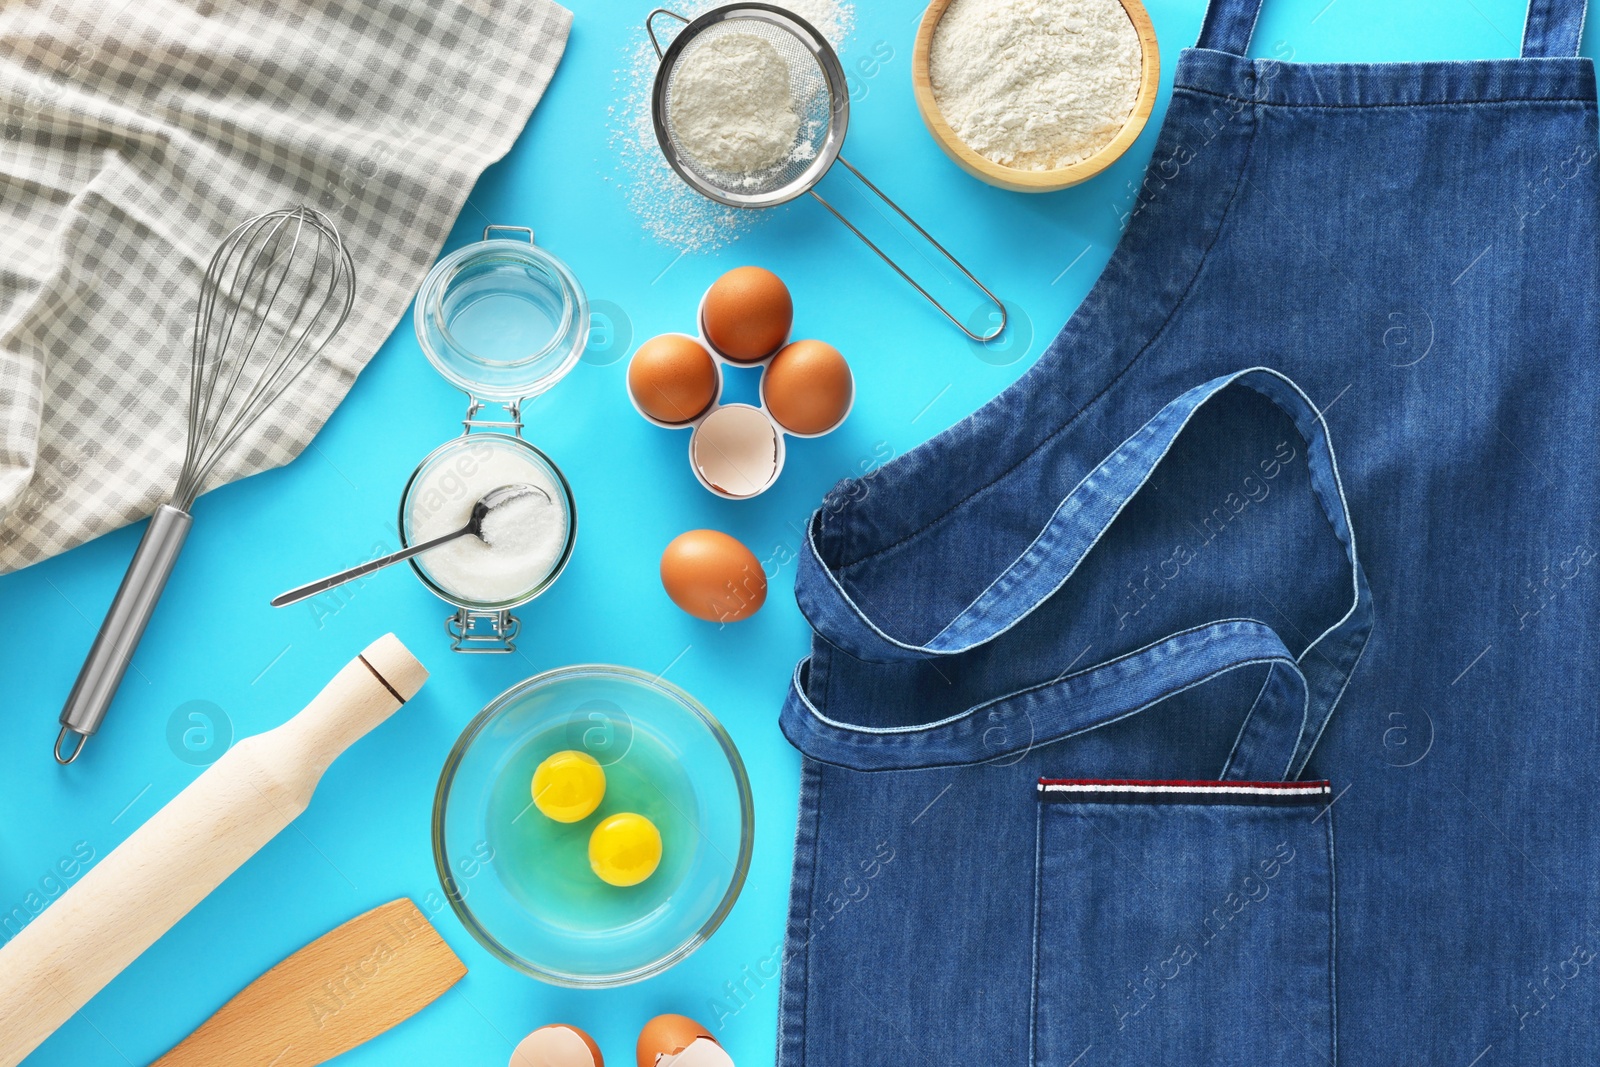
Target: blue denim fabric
{"type": "Point", "coordinates": [1211, 920]}
{"type": "Point", "coordinates": [1141, 563]}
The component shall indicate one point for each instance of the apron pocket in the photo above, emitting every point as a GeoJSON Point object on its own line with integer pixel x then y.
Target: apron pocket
{"type": "Point", "coordinates": [1185, 924]}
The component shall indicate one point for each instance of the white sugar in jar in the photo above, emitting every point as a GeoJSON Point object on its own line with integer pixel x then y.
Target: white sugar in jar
{"type": "Point", "coordinates": [526, 541]}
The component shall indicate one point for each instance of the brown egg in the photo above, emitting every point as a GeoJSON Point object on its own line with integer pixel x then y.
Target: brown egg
{"type": "Point", "coordinates": [668, 1035]}
{"type": "Point", "coordinates": [747, 314]}
{"type": "Point", "coordinates": [808, 387]}
{"type": "Point", "coordinates": [557, 1045]}
{"type": "Point", "coordinates": [673, 378]}
{"type": "Point", "coordinates": [713, 577]}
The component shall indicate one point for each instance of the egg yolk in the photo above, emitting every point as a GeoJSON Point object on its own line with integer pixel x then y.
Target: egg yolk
{"type": "Point", "coordinates": [568, 786]}
{"type": "Point", "coordinates": [625, 849]}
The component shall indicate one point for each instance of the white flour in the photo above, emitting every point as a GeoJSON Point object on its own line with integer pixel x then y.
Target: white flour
{"type": "Point", "coordinates": [730, 105]}
{"type": "Point", "coordinates": [1035, 84]}
{"type": "Point", "coordinates": [669, 210]}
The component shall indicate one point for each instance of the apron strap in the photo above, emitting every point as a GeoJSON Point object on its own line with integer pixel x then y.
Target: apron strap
{"type": "Point", "coordinates": [1554, 28]}
{"type": "Point", "coordinates": [1004, 730]}
{"type": "Point", "coordinates": [1229, 25]}
{"type": "Point", "coordinates": [1072, 532]}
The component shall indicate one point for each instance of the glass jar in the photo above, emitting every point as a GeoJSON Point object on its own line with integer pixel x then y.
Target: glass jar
{"type": "Point", "coordinates": [502, 320]}
{"type": "Point", "coordinates": [483, 623]}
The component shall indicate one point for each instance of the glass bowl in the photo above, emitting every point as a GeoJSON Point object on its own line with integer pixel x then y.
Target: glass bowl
{"type": "Point", "coordinates": [464, 455]}
{"type": "Point", "coordinates": [521, 882]}
{"type": "Point", "coordinates": [502, 319]}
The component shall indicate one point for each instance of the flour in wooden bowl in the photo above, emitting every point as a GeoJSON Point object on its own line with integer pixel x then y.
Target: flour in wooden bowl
{"type": "Point", "coordinates": [1035, 84]}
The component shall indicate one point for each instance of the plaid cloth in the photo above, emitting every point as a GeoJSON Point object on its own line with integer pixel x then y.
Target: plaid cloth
{"type": "Point", "coordinates": [134, 134]}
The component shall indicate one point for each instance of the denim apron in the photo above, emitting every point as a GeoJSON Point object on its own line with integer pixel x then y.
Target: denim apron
{"type": "Point", "coordinates": [1116, 750]}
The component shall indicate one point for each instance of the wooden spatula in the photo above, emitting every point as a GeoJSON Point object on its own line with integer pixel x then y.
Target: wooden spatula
{"type": "Point", "coordinates": [346, 987]}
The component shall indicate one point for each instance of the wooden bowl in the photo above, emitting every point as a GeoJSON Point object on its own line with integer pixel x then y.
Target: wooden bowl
{"type": "Point", "coordinates": [1035, 181]}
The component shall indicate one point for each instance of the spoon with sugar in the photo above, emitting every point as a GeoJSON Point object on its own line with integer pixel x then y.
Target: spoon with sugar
{"type": "Point", "coordinates": [495, 498]}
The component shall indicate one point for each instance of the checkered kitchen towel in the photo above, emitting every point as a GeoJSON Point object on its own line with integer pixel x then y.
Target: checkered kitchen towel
{"type": "Point", "coordinates": [134, 134]}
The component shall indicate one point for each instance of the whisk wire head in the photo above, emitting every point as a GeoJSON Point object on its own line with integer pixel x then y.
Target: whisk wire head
{"type": "Point", "coordinates": [214, 335]}
{"type": "Point", "coordinates": [275, 293]}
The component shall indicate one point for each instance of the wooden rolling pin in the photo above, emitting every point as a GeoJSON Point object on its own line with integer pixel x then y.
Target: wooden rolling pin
{"type": "Point", "coordinates": [168, 865]}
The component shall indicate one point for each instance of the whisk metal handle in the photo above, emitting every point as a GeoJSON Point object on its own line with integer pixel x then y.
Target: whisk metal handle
{"type": "Point", "coordinates": [122, 629]}
{"type": "Point", "coordinates": [928, 237]}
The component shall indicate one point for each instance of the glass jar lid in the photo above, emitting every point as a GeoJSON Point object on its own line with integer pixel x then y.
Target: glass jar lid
{"type": "Point", "coordinates": [502, 319]}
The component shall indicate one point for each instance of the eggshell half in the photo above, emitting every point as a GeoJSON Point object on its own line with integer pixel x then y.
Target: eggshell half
{"type": "Point", "coordinates": [668, 1035]}
{"type": "Point", "coordinates": [702, 1052]}
{"type": "Point", "coordinates": [557, 1045]}
{"type": "Point", "coordinates": [737, 450]}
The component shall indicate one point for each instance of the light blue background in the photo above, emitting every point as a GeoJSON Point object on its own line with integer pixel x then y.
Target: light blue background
{"type": "Point", "coordinates": [365, 838]}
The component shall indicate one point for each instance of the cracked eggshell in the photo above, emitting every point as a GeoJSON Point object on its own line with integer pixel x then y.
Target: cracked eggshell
{"type": "Point", "coordinates": [702, 1052]}
{"type": "Point", "coordinates": [679, 1041]}
{"type": "Point", "coordinates": [557, 1045]}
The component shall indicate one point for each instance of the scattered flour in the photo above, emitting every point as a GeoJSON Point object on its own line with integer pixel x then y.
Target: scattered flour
{"type": "Point", "coordinates": [669, 210]}
{"type": "Point", "coordinates": [1035, 84]}
{"type": "Point", "coordinates": [730, 107]}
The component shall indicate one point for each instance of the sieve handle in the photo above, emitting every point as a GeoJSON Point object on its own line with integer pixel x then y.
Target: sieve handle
{"type": "Point", "coordinates": [926, 236]}
{"type": "Point", "coordinates": [650, 27]}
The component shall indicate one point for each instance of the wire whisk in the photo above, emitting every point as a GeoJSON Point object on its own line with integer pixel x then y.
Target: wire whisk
{"type": "Point", "coordinates": [275, 294]}
{"type": "Point", "coordinates": [293, 255]}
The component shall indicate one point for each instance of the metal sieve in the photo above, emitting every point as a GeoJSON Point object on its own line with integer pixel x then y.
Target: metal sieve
{"type": "Point", "coordinates": [821, 102]}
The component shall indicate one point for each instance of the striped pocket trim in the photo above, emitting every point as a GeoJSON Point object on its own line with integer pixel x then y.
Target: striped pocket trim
{"type": "Point", "coordinates": [1136, 791]}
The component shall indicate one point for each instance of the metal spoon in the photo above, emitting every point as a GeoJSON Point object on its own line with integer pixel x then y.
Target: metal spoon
{"type": "Point", "coordinates": [493, 499]}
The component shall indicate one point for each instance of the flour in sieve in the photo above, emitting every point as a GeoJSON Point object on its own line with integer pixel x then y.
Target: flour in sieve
{"type": "Point", "coordinates": [1035, 84]}
{"type": "Point", "coordinates": [667, 209]}
{"type": "Point", "coordinates": [730, 105]}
